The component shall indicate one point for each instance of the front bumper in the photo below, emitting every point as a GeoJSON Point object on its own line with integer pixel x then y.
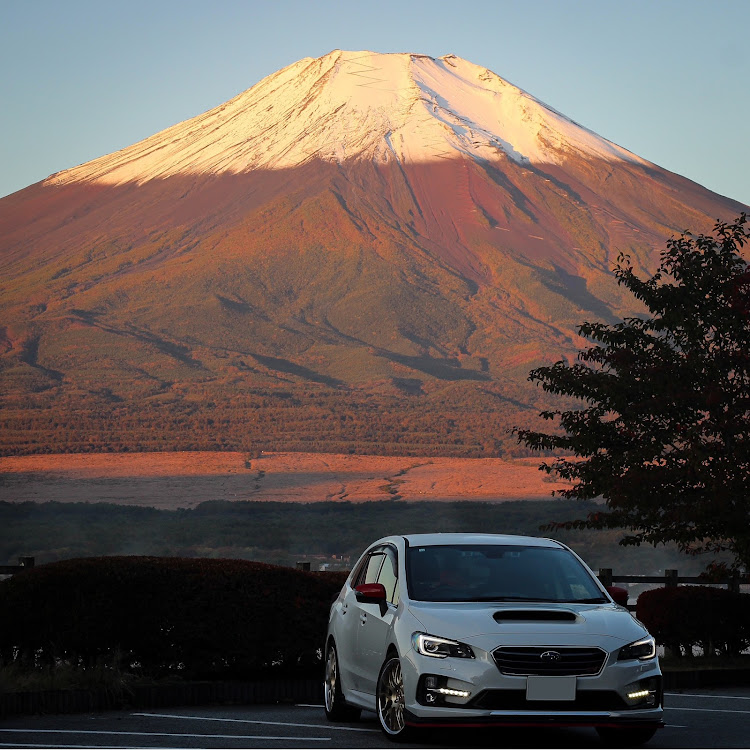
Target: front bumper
{"type": "Point", "coordinates": [497, 699]}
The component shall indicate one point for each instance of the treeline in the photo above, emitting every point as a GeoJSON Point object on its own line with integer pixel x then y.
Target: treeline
{"type": "Point", "coordinates": [283, 533]}
{"type": "Point", "coordinates": [166, 617]}
{"type": "Point", "coordinates": [461, 421]}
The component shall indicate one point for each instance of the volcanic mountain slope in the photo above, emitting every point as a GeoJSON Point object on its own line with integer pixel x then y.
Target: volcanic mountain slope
{"type": "Point", "coordinates": [359, 234]}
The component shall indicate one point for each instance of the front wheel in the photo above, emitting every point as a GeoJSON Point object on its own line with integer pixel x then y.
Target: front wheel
{"type": "Point", "coordinates": [625, 736]}
{"type": "Point", "coordinates": [390, 696]}
{"type": "Point", "coordinates": [336, 707]}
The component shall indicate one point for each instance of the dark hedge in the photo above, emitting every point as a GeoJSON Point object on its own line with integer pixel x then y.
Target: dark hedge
{"type": "Point", "coordinates": [715, 620]}
{"type": "Point", "coordinates": [197, 618]}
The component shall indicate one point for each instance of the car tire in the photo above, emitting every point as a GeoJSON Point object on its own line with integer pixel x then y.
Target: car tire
{"type": "Point", "coordinates": [334, 702]}
{"type": "Point", "coordinates": [391, 708]}
{"type": "Point", "coordinates": [625, 737]}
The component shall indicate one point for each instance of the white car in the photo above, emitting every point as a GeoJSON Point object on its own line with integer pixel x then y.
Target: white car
{"type": "Point", "coordinates": [471, 629]}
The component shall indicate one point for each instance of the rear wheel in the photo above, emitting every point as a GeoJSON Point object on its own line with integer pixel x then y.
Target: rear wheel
{"type": "Point", "coordinates": [625, 736]}
{"type": "Point", "coordinates": [391, 704]}
{"type": "Point", "coordinates": [336, 707]}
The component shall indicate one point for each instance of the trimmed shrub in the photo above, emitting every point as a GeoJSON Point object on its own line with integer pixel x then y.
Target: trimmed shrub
{"type": "Point", "coordinates": [715, 620]}
{"type": "Point", "coordinates": [198, 618]}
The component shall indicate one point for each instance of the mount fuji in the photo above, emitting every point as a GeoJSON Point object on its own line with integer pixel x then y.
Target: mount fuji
{"type": "Point", "coordinates": [363, 252]}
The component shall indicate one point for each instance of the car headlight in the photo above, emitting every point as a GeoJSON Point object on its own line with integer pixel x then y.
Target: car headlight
{"type": "Point", "coordinates": [643, 649]}
{"type": "Point", "coordinates": [431, 645]}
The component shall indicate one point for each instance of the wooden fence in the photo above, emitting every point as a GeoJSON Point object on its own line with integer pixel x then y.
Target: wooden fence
{"type": "Point", "coordinates": [673, 578]}
{"type": "Point", "coordinates": [24, 563]}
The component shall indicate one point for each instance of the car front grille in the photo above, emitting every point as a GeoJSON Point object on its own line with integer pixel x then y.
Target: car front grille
{"type": "Point", "coordinates": [549, 660]}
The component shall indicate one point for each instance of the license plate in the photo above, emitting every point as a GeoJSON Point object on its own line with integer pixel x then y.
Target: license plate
{"type": "Point", "coordinates": [540, 688]}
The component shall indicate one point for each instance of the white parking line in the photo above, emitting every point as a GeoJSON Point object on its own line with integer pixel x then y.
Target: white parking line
{"type": "Point", "coordinates": [101, 747]}
{"type": "Point", "coordinates": [699, 695]}
{"type": "Point", "coordinates": [89, 747]}
{"type": "Point", "coordinates": [258, 721]}
{"type": "Point", "coordinates": [83, 747]}
{"type": "Point", "coordinates": [165, 734]}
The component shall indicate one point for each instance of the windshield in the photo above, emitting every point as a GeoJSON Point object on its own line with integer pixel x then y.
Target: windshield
{"type": "Point", "coordinates": [497, 573]}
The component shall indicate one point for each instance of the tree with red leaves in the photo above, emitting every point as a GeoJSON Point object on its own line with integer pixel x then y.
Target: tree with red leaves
{"type": "Point", "coordinates": [663, 434]}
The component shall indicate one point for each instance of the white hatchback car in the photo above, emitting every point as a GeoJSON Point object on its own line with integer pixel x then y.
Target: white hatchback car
{"type": "Point", "coordinates": [472, 629]}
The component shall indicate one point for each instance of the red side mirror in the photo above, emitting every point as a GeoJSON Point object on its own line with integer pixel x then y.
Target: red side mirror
{"type": "Point", "coordinates": [372, 593]}
{"type": "Point", "coordinates": [619, 594]}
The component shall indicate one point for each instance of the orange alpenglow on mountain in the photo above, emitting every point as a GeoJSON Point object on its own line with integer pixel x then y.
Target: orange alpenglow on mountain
{"type": "Point", "coordinates": [364, 252]}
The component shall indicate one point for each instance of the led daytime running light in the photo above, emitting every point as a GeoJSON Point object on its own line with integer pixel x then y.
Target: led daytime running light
{"type": "Point", "coordinates": [638, 694]}
{"type": "Point", "coordinates": [643, 650]}
{"type": "Point", "coordinates": [440, 648]}
{"type": "Point", "coordinates": [448, 691]}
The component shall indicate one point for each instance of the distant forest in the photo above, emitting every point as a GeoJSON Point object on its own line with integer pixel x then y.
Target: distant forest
{"type": "Point", "coordinates": [285, 533]}
{"type": "Point", "coordinates": [459, 420]}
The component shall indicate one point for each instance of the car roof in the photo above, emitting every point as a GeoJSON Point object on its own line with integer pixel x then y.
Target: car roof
{"type": "Point", "coordinates": [416, 540]}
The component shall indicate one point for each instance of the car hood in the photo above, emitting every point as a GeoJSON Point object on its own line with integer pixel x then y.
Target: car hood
{"type": "Point", "coordinates": [488, 625]}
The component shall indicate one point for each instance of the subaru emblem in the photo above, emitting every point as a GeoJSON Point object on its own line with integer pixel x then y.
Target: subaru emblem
{"type": "Point", "coordinates": [550, 656]}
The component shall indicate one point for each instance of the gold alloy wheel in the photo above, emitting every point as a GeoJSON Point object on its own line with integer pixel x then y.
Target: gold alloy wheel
{"type": "Point", "coordinates": [331, 678]}
{"type": "Point", "coordinates": [391, 698]}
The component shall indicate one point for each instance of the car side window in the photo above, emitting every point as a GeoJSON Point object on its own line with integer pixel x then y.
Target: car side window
{"type": "Point", "coordinates": [359, 573]}
{"type": "Point", "coordinates": [389, 576]}
{"type": "Point", "coordinates": [367, 570]}
{"type": "Point", "coordinates": [373, 567]}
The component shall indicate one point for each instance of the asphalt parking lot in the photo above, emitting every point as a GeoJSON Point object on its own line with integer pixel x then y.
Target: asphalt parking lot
{"type": "Point", "coordinates": [695, 719]}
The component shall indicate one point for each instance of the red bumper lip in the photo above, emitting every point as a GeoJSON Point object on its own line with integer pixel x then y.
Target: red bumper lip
{"type": "Point", "coordinates": [528, 725]}
{"type": "Point", "coordinates": [540, 722]}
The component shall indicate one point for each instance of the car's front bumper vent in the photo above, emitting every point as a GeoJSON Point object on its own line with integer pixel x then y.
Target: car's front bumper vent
{"type": "Point", "coordinates": [549, 660]}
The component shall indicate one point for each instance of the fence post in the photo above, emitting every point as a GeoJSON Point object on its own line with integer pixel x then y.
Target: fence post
{"type": "Point", "coordinates": [605, 577]}
{"type": "Point", "coordinates": [670, 578]}
{"type": "Point", "coordinates": [734, 582]}
{"type": "Point", "coordinates": [670, 581]}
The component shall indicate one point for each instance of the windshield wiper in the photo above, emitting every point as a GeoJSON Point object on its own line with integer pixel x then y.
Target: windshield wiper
{"type": "Point", "coordinates": [594, 600]}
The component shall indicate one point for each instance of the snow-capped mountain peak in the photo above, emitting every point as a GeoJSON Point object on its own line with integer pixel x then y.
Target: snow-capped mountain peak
{"type": "Point", "coordinates": [353, 106]}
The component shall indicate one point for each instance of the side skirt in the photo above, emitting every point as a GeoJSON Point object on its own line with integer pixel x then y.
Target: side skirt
{"type": "Point", "coordinates": [361, 700]}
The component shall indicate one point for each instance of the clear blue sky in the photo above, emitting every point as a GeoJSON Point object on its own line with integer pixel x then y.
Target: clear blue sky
{"type": "Point", "coordinates": [667, 79]}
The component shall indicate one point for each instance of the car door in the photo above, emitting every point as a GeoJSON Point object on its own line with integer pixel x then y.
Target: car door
{"type": "Point", "coordinates": [352, 614]}
{"type": "Point", "coordinates": [375, 623]}
{"type": "Point", "coordinates": [346, 628]}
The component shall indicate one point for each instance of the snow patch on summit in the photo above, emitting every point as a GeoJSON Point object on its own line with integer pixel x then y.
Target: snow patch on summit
{"type": "Point", "coordinates": [357, 106]}
{"type": "Point", "coordinates": [493, 113]}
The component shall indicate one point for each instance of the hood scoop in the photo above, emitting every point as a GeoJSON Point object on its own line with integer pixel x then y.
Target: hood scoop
{"type": "Point", "coordinates": [535, 615]}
